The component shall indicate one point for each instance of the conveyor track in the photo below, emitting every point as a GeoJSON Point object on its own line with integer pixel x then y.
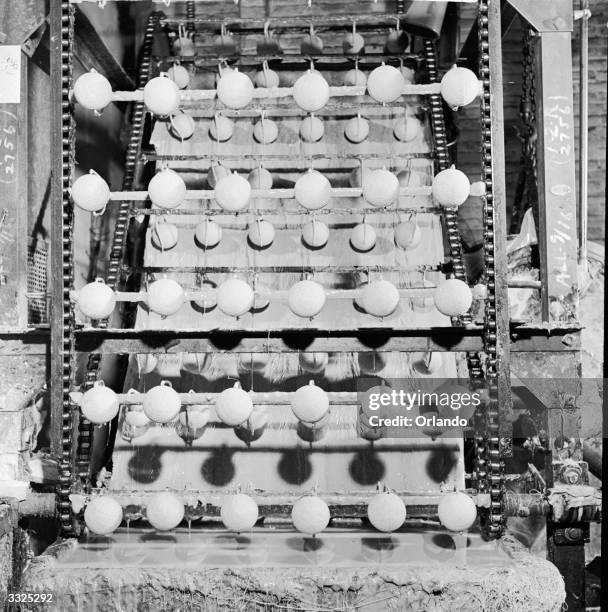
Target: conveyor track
{"type": "Point", "coordinates": [76, 441]}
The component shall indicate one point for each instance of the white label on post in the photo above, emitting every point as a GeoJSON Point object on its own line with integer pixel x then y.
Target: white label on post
{"type": "Point", "coordinates": [10, 74]}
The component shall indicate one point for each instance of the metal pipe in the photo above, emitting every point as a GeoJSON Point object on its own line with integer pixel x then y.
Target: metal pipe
{"type": "Point", "coordinates": [38, 505]}
{"type": "Point", "coordinates": [419, 504]}
{"type": "Point", "coordinates": [584, 136]}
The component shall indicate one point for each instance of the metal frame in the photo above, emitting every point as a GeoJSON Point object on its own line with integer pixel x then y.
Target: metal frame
{"type": "Point", "coordinates": [558, 246]}
{"type": "Point", "coordinates": [553, 21]}
{"type": "Point", "coordinates": [523, 339]}
{"type": "Point", "coordinates": [557, 206]}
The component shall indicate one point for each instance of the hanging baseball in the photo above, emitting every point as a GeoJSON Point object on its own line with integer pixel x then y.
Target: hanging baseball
{"type": "Point", "coordinates": [233, 406]}
{"type": "Point", "coordinates": [103, 515]}
{"type": "Point", "coordinates": [165, 296]}
{"type": "Point", "coordinates": [363, 237]}
{"type": "Point", "coordinates": [266, 131]}
{"type": "Point", "coordinates": [179, 75]}
{"type": "Point", "coordinates": [235, 89]}
{"type": "Point", "coordinates": [161, 96]}
{"type": "Point", "coordinates": [380, 188]}
{"type": "Point", "coordinates": [162, 403]}
{"type": "Point", "coordinates": [260, 178]}
{"type": "Point", "coordinates": [355, 78]}
{"type": "Point", "coordinates": [386, 512]}
{"type": "Point", "coordinates": [457, 511]}
{"type": "Point", "coordinates": [167, 189]}
{"type": "Point", "coordinates": [208, 233]}
{"type": "Point", "coordinates": [311, 129]}
{"type": "Point", "coordinates": [90, 192]}
{"type": "Point", "coordinates": [451, 187]}
{"type": "Point", "coordinates": [93, 91]}
{"type": "Point", "coordinates": [312, 190]}
{"type": "Point", "coordinates": [239, 512]}
{"type": "Point", "coordinates": [306, 298]}
{"type": "Point", "coordinates": [310, 515]}
{"type": "Point", "coordinates": [164, 235]}
{"type": "Point", "coordinates": [453, 297]}
{"type": "Point", "coordinates": [385, 84]}
{"type": "Point", "coordinates": [315, 234]}
{"type": "Point", "coordinates": [96, 300]}
{"type": "Point", "coordinates": [380, 298]}
{"type": "Point", "coordinates": [356, 129]}
{"type": "Point", "coordinates": [310, 403]}
{"type": "Point", "coordinates": [232, 193]}
{"type": "Point", "coordinates": [235, 297]}
{"type": "Point", "coordinates": [221, 128]}
{"type": "Point", "coordinates": [165, 511]}
{"type": "Point", "coordinates": [99, 404]}
{"type": "Point", "coordinates": [408, 235]}
{"type": "Point", "coordinates": [311, 92]}
{"type": "Point", "coordinates": [459, 87]}
{"type": "Point", "coordinates": [261, 233]}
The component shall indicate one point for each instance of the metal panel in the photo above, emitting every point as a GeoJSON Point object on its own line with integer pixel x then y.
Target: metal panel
{"type": "Point", "coordinates": [556, 177]}
{"type": "Point", "coordinates": [546, 15]}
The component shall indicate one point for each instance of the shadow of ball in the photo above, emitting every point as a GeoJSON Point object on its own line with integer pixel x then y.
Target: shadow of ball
{"type": "Point", "coordinates": [366, 467]}
{"type": "Point", "coordinates": [439, 546]}
{"type": "Point", "coordinates": [145, 465]}
{"type": "Point", "coordinates": [380, 544]}
{"type": "Point", "coordinates": [305, 544]}
{"type": "Point", "coordinates": [159, 538]}
{"type": "Point", "coordinates": [440, 463]}
{"type": "Point", "coordinates": [310, 434]}
{"type": "Point", "coordinates": [294, 466]}
{"type": "Point", "coordinates": [218, 469]}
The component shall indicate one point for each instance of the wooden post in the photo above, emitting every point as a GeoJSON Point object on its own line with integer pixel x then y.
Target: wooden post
{"type": "Point", "coordinates": [57, 229]}
{"type": "Point", "coordinates": [15, 26]}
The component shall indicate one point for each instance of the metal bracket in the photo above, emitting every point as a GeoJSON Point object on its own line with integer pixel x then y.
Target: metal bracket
{"type": "Point", "coordinates": [546, 15]}
{"type": "Point", "coordinates": [577, 533]}
{"type": "Point", "coordinates": [31, 44]}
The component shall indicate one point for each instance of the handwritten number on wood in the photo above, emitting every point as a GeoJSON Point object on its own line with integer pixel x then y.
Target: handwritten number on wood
{"type": "Point", "coordinates": [8, 146]}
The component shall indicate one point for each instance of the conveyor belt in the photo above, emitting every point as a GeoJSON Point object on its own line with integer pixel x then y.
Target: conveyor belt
{"type": "Point", "coordinates": [189, 269]}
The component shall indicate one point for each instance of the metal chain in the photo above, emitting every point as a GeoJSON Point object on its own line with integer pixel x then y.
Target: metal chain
{"type": "Point", "coordinates": [66, 467]}
{"type": "Point", "coordinates": [442, 157]}
{"type": "Point", "coordinates": [190, 16]}
{"type": "Point", "coordinates": [526, 193]}
{"type": "Point", "coordinates": [80, 428]}
{"type": "Point", "coordinates": [528, 113]}
{"type": "Point", "coordinates": [489, 464]}
{"type": "Point", "coordinates": [487, 473]}
{"type": "Point", "coordinates": [122, 220]}
{"type": "Point", "coordinates": [488, 469]}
